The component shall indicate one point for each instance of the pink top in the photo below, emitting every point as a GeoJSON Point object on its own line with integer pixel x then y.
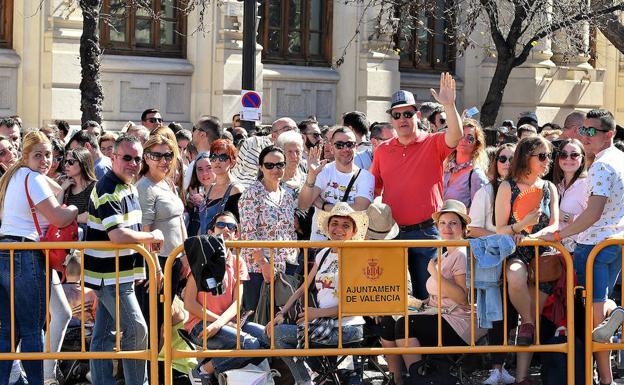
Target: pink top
{"type": "Point", "coordinates": [573, 201]}
{"type": "Point", "coordinates": [220, 303]}
{"type": "Point", "coordinates": [454, 263]}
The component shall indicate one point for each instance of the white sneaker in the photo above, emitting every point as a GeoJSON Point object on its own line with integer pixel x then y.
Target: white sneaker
{"type": "Point", "coordinates": [506, 378]}
{"type": "Point", "coordinates": [607, 328]}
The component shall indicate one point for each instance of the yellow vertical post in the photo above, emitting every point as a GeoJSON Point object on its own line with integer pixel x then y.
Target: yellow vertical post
{"type": "Point", "coordinates": [48, 272]}
{"type": "Point", "coordinates": [117, 312]}
{"type": "Point", "coordinates": [12, 294]}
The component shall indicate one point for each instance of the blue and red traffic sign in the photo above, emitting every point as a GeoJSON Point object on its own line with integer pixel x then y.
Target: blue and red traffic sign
{"type": "Point", "coordinates": [251, 99]}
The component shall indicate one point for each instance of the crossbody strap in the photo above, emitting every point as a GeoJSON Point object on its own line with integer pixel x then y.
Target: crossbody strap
{"type": "Point", "coordinates": [32, 208]}
{"type": "Point", "coordinates": [345, 197]}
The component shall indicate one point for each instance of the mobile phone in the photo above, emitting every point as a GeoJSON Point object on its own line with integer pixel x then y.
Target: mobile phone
{"type": "Point", "coordinates": [472, 112]}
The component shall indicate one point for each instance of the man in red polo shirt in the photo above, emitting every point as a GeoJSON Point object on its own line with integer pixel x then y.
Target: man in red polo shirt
{"type": "Point", "coordinates": [408, 173]}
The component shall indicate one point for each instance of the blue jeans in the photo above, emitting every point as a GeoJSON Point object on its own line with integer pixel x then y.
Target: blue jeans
{"type": "Point", "coordinates": [418, 258]}
{"type": "Point", "coordinates": [29, 302]}
{"type": "Point", "coordinates": [286, 338]}
{"type": "Point", "coordinates": [134, 336]}
{"type": "Point", "coordinates": [250, 338]}
{"type": "Point", "coordinates": [607, 268]}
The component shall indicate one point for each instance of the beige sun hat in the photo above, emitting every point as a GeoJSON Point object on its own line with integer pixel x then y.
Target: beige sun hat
{"type": "Point", "coordinates": [452, 206]}
{"type": "Point", "coordinates": [342, 209]}
{"type": "Point", "coordinates": [381, 224]}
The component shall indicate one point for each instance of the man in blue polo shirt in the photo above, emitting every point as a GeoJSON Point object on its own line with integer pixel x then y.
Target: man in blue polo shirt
{"type": "Point", "coordinates": [115, 215]}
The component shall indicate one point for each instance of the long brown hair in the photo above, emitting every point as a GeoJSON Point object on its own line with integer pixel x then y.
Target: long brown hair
{"type": "Point", "coordinates": [31, 139]}
{"type": "Point", "coordinates": [87, 168]}
{"type": "Point", "coordinates": [497, 178]}
{"type": "Point", "coordinates": [525, 148]}
{"type": "Point", "coordinates": [582, 170]}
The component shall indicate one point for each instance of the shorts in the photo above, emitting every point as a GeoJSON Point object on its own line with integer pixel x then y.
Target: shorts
{"type": "Point", "coordinates": [607, 268]}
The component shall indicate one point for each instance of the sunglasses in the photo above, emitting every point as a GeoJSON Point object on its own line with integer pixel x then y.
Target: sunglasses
{"type": "Point", "coordinates": [340, 145]}
{"type": "Point", "coordinates": [219, 157]}
{"type": "Point", "coordinates": [58, 159]}
{"type": "Point", "coordinates": [4, 152]}
{"type": "Point", "coordinates": [572, 155]}
{"type": "Point", "coordinates": [70, 162]}
{"type": "Point", "coordinates": [504, 159]}
{"type": "Point", "coordinates": [154, 120]}
{"type": "Point", "coordinates": [442, 121]}
{"type": "Point", "coordinates": [405, 114]}
{"type": "Point", "coordinates": [590, 131]}
{"type": "Point", "coordinates": [271, 166]}
{"type": "Point", "coordinates": [157, 156]}
{"type": "Point", "coordinates": [128, 158]}
{"type": "Point", "coordinates": [542, 156]}
{"type": "Point", "coordinates": [469, 138]}
{"type": "Point", "coordinates": [223, 225]}
{"type": "Point", "coordinates": [314, 134]}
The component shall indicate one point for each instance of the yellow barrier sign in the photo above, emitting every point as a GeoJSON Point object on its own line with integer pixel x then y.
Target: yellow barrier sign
{"type": "Point", "coordinates": [373, 281]}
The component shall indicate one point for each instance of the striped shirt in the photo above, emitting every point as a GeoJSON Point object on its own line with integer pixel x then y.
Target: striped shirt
{"type": "Point", "coordinates": [113, 204]}
{"type": "Point", "coordinates": [247, 163]}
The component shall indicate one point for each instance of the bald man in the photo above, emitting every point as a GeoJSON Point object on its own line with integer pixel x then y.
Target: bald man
{"type": "Point", "coordinates": [572, 123]}
{"type": "Point", "coordinates": [246, 169]}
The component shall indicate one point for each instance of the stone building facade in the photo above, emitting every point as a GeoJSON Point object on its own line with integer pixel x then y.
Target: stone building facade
{"type": "Point", "coordinates": [186, 67]}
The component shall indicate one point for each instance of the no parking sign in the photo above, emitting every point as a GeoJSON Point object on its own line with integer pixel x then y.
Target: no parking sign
{"type": "Point", "coordinates": [251, 105]}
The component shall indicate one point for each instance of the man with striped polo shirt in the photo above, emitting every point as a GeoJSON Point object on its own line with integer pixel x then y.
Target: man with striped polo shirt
{"type": "Point", "coordinates": [115, 215]}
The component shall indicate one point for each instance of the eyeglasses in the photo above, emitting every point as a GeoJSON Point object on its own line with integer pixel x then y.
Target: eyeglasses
{"type": "Point", "coordinates": [405, 114]}
{"type": "Point", "coordinates": [58, 159]}
{"type": "Point", "coordinates": [590, 131]}
{"type": "Point", "coordinates": [469, 138]}
{"type": "Point", "coordinates": [128, 158]}
{"type": "Point", "coordinates": [542, 156]}
{"type": "Point", "coordinates": [271, 166]}
{"type": "Point", "coordinates": [223, 225]}
{"type": "Point", "coordinates": [70, 162]}
{"type": "Point", "coordinates": [340, 145]}
{"type": "Point", "coordinates": [219, 157]}
{"type": "Point", "coordinates": [154, 120]}
{"type": "Point", "coordinates": [157, 156]}
{"type": "Point", "coordinates": [572, 155]}
{"type": "Point", "coordinates": [504, 159]}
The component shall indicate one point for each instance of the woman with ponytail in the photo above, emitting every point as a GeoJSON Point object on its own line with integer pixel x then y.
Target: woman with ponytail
{"type": "Point", "coordinates": [25, 178]}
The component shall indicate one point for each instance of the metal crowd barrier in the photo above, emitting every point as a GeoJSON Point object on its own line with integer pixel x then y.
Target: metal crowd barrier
{"type": "Point", "coordinates": [171, 354]}
{"type": "Point", "coordinates": [590, 345]}
{"type": "Point", "coordinates": [150, 354]}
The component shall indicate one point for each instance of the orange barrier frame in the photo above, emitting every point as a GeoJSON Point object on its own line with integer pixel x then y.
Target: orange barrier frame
{"type": "Point", "coordinates": [590, 345]}
{"type": "Point", "coordinates": [150, 354]}
{"type": "Point", "coordinates": [170, 354]}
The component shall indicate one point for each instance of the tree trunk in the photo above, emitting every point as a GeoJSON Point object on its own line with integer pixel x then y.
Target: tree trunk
{"type": "Point", "coordinates": [613, 31]}
{"type": "Point", "coordinates": [91, 95]}
{"type": "Point", "coordinates": [494, 98]}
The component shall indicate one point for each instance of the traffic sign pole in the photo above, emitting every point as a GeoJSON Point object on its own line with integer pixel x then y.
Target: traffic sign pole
{"type": "Point", "coordinates": [249, 54]}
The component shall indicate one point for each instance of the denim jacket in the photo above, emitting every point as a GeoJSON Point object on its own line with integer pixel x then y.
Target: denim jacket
{"type": "Point", "coordinates": [489, 253]}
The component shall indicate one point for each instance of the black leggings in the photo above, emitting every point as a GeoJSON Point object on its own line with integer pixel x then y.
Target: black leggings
{"type": "Point", "coordinates": [425, 329]}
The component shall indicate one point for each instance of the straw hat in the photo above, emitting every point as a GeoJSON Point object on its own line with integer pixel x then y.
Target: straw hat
{"type": "Point", "coordinates": [381, 224]}
{"type": "Point", "coordinates": [452, 206]}
{"type": "Point", "coordinates": [342, 209]}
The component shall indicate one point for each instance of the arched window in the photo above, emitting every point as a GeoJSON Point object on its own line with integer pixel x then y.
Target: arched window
{"type": "Point", "coordinates": [296, 31]}
{"type": "Point", "coordinates": [424, 39]}
{"type": "Point", "coordinates": [6, 16]}
{"type": "Point", "coordinates": [127, 28]}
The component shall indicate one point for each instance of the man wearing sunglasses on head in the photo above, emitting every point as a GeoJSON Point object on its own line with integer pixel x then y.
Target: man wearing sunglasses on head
{"type": "Point", "coordinates": [88, 140]}
{"type": "Point", "coordinates": [151, 119]}
{"type": "Point", "coordinates": [341, 180]}
{"type": "Point", "coordinates": [206, 131]}
{"type": "Point", "coordinates": [115, 215]}
{"type": "Point", "coordinates": [602, 219]}
{"type": "Point", "coordinates": [408, 172]}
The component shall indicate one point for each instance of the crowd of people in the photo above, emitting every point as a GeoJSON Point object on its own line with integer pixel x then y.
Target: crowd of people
{"type": "Point", "coordinates": [429, 172]}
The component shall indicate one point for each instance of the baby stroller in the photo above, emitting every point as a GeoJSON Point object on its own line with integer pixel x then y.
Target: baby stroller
{"type": "Point", "coordinates": [74, 371]}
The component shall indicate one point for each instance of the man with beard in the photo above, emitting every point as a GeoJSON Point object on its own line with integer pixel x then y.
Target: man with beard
{"type": "Point", "coordinates": [311, 133]}
{"type": "Point", "coordinates": [330, 181]}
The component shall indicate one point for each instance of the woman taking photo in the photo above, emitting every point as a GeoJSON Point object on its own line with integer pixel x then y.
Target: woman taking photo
{"type": "Point", "coordinates": [78, 182]}
{"type": "Point", "coordinates": [570, 177]}
{"type": "Point", "coordinates": [161, 206]}
{"type": "Point", "coordinates": [202, 178]}
{"type": "Point", "coordinates": [464, 168]}
{"type": "Point", "coordinates": [342, 223]}
{"type": "Point", "coordinates": [527, 205]}
{"type": "Point", "coordinates": [267, 213]}
{"type": "Point", "coordinates": [18, 226]}
{"type": "Point", "coordinates": [224, 194]}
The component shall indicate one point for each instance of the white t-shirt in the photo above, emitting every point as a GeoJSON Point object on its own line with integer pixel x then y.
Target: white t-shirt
{"type": "Point", "coordinates": [481, 208]}
{"type": "Point", "coordinates": [16, 217]}
{"type": "Point", "coordinates": [326, 281]}
{"type": "Point", "coordinates": [333, 185]}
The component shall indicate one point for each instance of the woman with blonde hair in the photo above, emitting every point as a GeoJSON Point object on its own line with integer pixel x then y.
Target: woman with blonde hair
{"type": "Point", "coordinates": [464, 168]}
{"type": "Point", "coordinates": [27, 178]}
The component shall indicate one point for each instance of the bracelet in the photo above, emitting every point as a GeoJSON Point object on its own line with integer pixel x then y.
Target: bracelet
{"type": "Point", "coordinates": [311, 185]}
{"type": "Point", "coordinates": [512, 229]}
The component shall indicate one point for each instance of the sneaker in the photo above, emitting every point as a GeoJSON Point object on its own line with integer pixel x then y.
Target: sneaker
{"type": "Point", "coordinates": [198, 378]}
{"type": "Point", "coordinates": [506, 378]}
{"type": "Point", "coordinates": [494, 378]}
{"type": "Point", "coordinates": [525, 335]}
{"type": "Point", "coordinates": [607, 328]}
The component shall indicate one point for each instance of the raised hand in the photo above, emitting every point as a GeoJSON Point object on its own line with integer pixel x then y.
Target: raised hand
{"type": "Point", "coordinates": [315, 165]}
{"type": "Point", "coordinates": [447, 94]}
